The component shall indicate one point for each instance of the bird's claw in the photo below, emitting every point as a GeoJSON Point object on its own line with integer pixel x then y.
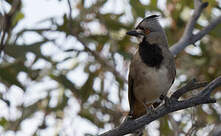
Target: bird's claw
{"type": "Point", "coordinates": [167, 101]}
{"type": "Point", "coordinates": [127, 118]}
{"type": "Point", "coordinates": [150, 110]}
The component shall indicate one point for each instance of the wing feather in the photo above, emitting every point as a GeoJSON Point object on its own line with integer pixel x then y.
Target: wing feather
{"type": "Point", "coordinates": [131, 96]}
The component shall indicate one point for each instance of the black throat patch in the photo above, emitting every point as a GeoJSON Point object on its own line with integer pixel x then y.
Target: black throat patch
{"type": "Point", "coordinates": [151, 54]}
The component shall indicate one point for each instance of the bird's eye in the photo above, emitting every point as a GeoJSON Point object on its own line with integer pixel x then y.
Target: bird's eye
{"type": "Point", "coordinates": [147, 31]}
{"type": "Point", "coordinates": [141, 28]}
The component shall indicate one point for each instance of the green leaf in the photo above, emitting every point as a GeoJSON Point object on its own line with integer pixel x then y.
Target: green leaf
{"type": "Point", "coordinates": [3, 122]}
{"type": "Point", "coordinates": [112, 21]}
{"type": "Point", "coordinates": [85, 113]}
{"type": "Point", "coordinates": [87, 89]}
{"type": "Point", "coordinates": [216, 32]}
{"type": "Point", "coordinates": [164, 127]}
{"type": "Point", "coordinates": [19, 16]}
{"type": "Point", "coordinates": [20, 51]}
{"type": "Point", "coordinates": [63, 80]}
{"type": "Point", "coordinates": [126, 55]}
{"type": "Point", "coordinates": [137, 8]}
{"type": "Point", "coordinates": [153, 5]}
{"type": "Point", "coordinates": [8, 74]}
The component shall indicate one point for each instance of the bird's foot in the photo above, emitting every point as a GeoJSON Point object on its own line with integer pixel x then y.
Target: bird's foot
{"type": "Point", "coordinates": [167, 101]}
{"type": "Point", "coordinates": [150, 110]}
{"type": "Point", "coordinates": [127, 118]}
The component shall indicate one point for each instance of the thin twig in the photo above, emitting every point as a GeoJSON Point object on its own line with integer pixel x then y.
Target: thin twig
{"type": "Point", "coordinates": [193, 84]}
{"type": "Point", "coordinates": [7, 23]}
{"type": "Point", "coordinates": [70, 10]}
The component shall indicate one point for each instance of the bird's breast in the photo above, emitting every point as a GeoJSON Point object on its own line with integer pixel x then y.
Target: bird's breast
{"type": "Point", "coordinates": [149, 82]}
{"type": "Point", "coordinates": [150, 54]}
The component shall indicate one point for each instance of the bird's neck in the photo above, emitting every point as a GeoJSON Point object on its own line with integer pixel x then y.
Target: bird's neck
{"type": "Point", "coordinates": [151, 54]}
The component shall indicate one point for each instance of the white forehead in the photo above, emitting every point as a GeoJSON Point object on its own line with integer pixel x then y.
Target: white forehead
{"type": "Point", "coordinates": [149, 23]}
{"type": "Point", "coordinates": [139, 19]}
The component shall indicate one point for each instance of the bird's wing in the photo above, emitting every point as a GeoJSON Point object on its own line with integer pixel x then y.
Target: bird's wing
{"type": "Point", "coordinates": [172, 70]}
{"type": "Point", "coordinates": [131, 96]}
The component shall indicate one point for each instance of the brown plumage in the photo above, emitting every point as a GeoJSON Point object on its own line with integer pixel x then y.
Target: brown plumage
{"type": "Point", "coordinates": [152, 69]}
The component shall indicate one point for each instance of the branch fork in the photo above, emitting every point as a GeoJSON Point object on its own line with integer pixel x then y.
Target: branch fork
{"type": "Point", "coordinates": [175, 104]}
{"type": "Point", "coordinates": [188, 36]}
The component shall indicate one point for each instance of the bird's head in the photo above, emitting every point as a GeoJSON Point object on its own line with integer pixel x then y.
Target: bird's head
{"type": "Point", "coordinates": [149, 28]}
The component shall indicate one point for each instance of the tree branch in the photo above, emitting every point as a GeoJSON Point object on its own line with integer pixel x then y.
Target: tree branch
{"type": "Point", "coordinates": [193, 84]}
{"type": "Point", "coordinates": [202, 97]}
{"type": "Point", "coordinates": [7, 23]}
{"type": "Point", "coordinates": [188, 36]}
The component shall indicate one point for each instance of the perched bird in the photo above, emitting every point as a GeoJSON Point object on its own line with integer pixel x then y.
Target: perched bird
{"type": "Point", "coordinates": [152, 69]}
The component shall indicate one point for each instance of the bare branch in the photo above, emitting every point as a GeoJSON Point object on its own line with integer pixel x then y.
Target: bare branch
{"type": "Point", "coordinates": [188, 36]}
{"type": "Point", "coordinates": [193, 84]}
{"type": "Point", "coordinates": [70, 10]}
{"type": "Point", "coordinates": [7, 23]}
{"type": "Point", "coordinates": [203, 97]}
{"type": "Point", "coordinates": [196, 14]}
{"type": "Point", "coordinates": [212, 85]}
{"type": "Point", "coordinates": [206, 30]}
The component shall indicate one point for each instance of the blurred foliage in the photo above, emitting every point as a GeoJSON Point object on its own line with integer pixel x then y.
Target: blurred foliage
{"type": "Point", "coordinates": [84, 57]}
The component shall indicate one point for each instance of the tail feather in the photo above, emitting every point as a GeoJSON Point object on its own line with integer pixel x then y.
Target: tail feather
{"type": "Point", "coordinates": [138, 132]}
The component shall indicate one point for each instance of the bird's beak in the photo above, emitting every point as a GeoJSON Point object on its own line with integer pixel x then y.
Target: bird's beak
{"type": "Point", "coordinates": [134, 33]}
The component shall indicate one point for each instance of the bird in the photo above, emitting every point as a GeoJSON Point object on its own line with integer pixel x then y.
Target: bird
{"type": "Point", "coordinates": [152, 69]}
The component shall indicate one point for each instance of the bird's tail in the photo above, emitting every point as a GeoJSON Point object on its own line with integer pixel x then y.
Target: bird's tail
{"type": "Point", "coordinates": [138, 132]}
